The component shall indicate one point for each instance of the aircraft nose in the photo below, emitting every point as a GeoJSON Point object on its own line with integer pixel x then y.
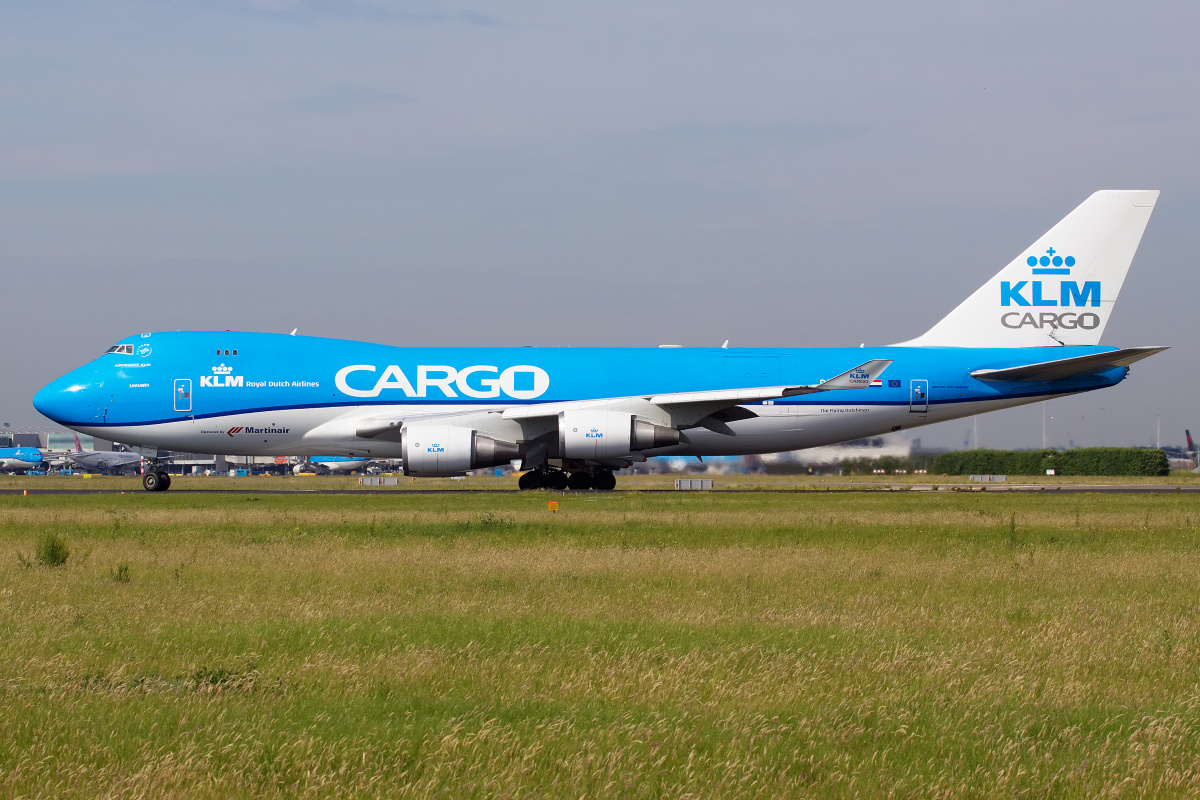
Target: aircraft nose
{"type": "Point", "coordinates": [70, 398]}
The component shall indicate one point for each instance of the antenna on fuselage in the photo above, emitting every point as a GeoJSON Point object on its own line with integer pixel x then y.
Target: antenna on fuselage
{"type": "Point", "coordinates": [293, 333]}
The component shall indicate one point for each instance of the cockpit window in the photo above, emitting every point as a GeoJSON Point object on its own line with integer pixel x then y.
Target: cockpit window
{"type": "Point", "coordinates": [123, 349]}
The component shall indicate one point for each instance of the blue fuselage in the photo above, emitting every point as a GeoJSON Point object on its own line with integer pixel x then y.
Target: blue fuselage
{"type": "Point", "coordinates": [255, 393]}
{"type": "Point", "coordinates": [20, 458]}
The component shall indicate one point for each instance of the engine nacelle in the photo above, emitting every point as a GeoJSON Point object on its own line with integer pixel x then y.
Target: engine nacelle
{"type": "Point", "coordinates": [602, 435]}
{"type": "Point", "coordinates": [440, 451]}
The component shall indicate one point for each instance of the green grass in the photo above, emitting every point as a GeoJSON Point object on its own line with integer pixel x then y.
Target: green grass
{"type": "Point", "coordinates": [474, 645]}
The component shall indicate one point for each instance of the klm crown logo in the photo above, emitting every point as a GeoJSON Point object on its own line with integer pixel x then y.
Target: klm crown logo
{"type": "Point", "coordinates": [1051, 259]}
{"type": "Point", "coordinates": [594, 433]}
{"type": "Point", "coordinates": [221, 377]}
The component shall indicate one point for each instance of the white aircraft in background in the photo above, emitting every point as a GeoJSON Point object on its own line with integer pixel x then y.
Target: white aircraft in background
{"type": "Point", "coordinates": [103, 459]}
{"type": "Point", "coordinates": [329, 465]}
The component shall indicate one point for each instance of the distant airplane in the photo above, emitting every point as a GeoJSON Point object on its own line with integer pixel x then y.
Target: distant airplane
{"type": "Point", "coordinates": [20, 459]}
{"type": "Point", "coordinates": [1191, 446]}
{"type": "Point", "coordinates": [102, 460]}
{"type": "Point", "coordinates": [327, 465]}
{"type": "Point", "coordinates": [575, 415]}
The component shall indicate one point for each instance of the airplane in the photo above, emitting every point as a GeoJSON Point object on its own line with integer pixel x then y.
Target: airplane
{"type": "Point", "coordinates": [102, 459]}
{"type": "Point", "coordinates": [574, 415]}
{"type": "Point", "coordinates": [329, 465]}
{"type": "Point", "coordinates": [19, 459]}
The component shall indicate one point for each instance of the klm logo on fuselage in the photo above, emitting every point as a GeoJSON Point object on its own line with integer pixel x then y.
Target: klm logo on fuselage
{"type": "Point", "coordinates": [221, 377]}
{"type": "Point", "coordinates": [1042, 294]}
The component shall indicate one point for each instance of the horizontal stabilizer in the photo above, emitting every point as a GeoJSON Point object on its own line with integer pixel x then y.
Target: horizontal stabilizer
{"type": "Point", "coordinates": [1062, 368]}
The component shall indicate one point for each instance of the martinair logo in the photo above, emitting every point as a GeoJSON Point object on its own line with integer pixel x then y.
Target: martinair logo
{"type": "Point", "coordinates": [248, 429]}
{"type": "Point", "coordinates": [1040, 293]}
{"type": "Point", "coordinates": [221, 377]}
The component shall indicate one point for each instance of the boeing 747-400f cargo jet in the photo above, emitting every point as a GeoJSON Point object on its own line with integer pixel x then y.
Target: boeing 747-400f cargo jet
{"type": "Point", "coordinates": [572, 416]}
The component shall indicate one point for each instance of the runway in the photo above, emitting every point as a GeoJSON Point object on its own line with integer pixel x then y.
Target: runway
{"type": "Point", "coordinates": [831, 488]}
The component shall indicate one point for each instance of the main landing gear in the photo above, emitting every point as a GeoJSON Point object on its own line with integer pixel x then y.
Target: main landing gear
{"type": "Point", "coordinates": [556, 480]}
{"type": "Point", "coordinates": [155, 479]}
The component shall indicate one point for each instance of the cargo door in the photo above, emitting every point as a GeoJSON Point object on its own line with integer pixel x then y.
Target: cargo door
{"type": "Point", "coordinates": [744, 372]}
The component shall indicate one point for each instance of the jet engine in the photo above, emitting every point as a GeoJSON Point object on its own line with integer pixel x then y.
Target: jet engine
{"type": "Point", "coordinates": [602, 435]}
{"type": "Point", "coordinates": [440, 451]}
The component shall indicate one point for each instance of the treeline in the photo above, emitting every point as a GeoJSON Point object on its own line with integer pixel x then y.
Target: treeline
{"type": "Point", "coordinates": [866, 466]}
{"type": "Point", "coordinates": [1085, 461]}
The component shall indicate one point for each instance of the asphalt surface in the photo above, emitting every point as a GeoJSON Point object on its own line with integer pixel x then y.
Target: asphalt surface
{"type": "Point", "coordinates": [1080, 488]}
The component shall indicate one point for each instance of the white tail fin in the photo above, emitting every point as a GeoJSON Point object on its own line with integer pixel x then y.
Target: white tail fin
{"type": "Point", "coordinates": [1061, 290]}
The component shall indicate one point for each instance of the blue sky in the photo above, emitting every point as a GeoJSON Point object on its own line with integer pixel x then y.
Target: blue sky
{"type": "Point", "coordinates": [772, 173]}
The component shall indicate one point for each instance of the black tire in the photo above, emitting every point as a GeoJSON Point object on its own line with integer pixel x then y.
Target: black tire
{"type": "Point", "coordinates": [604, 481]}
{"type": "Point", "coordinates": [579, 482]}
{"type": "Point", "coordinates": [555, 481]}
{"type": "Point", "coordinates": [529, 481]}
{"type": "Point", "coordinates": [164, 481]}
{"type": "Point", "coordinates": [150, 481]}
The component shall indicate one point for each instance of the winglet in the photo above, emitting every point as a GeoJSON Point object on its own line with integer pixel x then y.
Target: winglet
{"type": "Point", "coordinates": [857, 378]}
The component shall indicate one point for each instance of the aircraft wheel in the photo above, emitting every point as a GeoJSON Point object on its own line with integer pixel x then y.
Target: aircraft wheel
{"type": "Point", "coordinates": [164, 481]}
{"type": "Point", "coordinates": [579, 482]}
{"type": "Point", "coordinates": [604, 481]}
{"type": "Point", "coordinates": [529, 481]}
{"type": "Point", "coordinates": [555, 481]}
{"type": "Point", "coordinates": [150, 481]}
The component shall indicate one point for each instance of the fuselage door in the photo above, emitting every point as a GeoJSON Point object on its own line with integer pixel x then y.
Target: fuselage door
{"type": "Point", "coordinates": [183, 394]}
{"type": "Point", "coordinates": [918, 399]}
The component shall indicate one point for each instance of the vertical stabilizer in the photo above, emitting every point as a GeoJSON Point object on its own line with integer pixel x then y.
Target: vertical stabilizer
{"type": "Point", "coordinates": [1061, 289]}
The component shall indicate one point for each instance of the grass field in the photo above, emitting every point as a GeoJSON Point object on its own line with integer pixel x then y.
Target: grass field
{"type": "Point", "coordinates": [642, 645]}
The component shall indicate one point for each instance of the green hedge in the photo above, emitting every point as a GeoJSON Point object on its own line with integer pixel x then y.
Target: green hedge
{"type": "Point", "coordinates": [1085, 461]}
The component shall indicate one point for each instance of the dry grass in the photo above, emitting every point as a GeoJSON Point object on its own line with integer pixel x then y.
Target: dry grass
{"type": "Point", "coordinates": [715, 645]}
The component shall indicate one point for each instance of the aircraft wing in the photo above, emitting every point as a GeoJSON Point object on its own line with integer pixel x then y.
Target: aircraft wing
{"type": "Point", "coordinates": [688, 408]}
{"type": "Point", "coordinates": [1062, 368]}
{"type": "Point", "coordinates": [684, 409]}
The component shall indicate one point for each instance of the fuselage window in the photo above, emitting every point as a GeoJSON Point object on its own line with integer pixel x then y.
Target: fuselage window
{"type": "Point", "coordinates": [235, 352]}
{"type": "Point", "coordinates": [218, 352]}
{"type": "Point", "coordinates": [226, 352]}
